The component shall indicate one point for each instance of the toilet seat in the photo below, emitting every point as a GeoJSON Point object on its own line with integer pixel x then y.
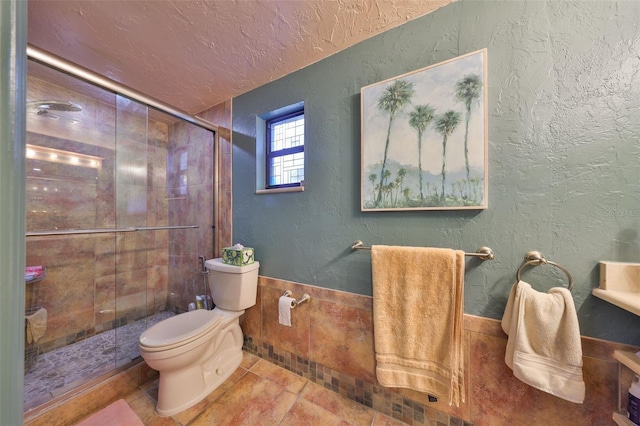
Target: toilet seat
{"type": "Point", "coordinates": [180, 330]}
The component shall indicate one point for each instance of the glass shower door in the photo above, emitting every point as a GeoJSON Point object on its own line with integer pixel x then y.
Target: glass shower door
{"type": "Point", "coordinates": [134, 251]}
{"type": "Point", "coordinates": [70, 170]}
{"type": "Point", "coordinates": [95, 184]}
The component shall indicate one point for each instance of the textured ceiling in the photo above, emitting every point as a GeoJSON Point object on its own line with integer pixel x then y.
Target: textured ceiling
{"type": "Point", "coordinates": [195, 54]}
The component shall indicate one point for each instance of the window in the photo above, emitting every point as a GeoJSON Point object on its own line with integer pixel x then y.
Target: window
{"type": "Point", "coordinates": [285, 150]}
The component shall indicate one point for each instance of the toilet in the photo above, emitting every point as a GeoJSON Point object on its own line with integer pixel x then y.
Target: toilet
{"type": "Point", "coordinates": [196, 351]}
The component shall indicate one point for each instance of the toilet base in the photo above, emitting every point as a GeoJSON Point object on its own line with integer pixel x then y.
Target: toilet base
{"type": "Point", "coordinates": [180, 390]}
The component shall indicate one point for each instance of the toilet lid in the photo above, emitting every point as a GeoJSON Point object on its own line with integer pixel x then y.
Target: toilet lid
{"type": "Point", "coordinates": [180, 328]}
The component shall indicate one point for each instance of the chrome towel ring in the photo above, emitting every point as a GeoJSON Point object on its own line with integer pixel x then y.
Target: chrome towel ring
{"type": "Point", "coordinates": [536, 258]}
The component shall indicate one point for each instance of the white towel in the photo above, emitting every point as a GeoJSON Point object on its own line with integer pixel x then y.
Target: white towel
{"type": "Point", "coordinates": [36, 325]}
{"type": "Point", "coordinates": [544, 348]}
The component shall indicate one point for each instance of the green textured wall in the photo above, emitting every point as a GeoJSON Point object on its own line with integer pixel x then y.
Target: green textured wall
{"type": "Point", "coordinates": [564, 155]}
{"type": "Point", "coordinates": [13, 71]}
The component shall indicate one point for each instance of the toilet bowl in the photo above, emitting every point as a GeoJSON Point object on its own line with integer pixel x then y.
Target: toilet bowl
{"type": "Point", "coordinates": [192, 362]}
{"type": "Point", "coordinates": [196, 351]}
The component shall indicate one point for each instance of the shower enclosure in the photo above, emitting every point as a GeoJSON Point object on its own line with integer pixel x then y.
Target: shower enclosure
{"type": "Point", "coordinates": [120, 203]}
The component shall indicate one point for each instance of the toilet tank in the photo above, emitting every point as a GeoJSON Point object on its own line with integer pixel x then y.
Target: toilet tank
{"type": "Point", "coordinates": [233, 288]}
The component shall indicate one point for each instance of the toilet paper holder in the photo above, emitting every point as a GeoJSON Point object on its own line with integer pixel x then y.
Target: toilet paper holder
{"type": "Point", "coordinates": [305, 298]}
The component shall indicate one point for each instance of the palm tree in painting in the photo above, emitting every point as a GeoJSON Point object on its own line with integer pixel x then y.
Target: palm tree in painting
{"type": "Point", "coordinates": [419, 119]}
{"type": "Point", "coordinates": [445, 125]}
{"type": "Point", "coordinates": [372, 179]}
{"type": "Point", "coordinates": [386, 188]}
{"type": "Point", "coordinates": [406, 193]}
{"type": "Point", "coordinates": [392, 100]}
{"type": "Point", "coordinates": [399, 180]}
{"type": "Point", "coordinates": [467, 90]}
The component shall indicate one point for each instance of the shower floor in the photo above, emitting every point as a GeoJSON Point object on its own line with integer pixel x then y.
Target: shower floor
{"type": "Point", "coordinates": [61, 370]}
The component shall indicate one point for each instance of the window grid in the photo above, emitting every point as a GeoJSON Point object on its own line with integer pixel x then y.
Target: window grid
{"type": "Point", "coordinates": [287, 134]}
{"type": "Point", "coordinates": [287, 169]}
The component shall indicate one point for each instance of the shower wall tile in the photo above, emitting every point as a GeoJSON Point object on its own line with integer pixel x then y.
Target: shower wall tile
{"type": "Point", "coordinates": [161, 245]}
{"type": "Point", "coordinates": [66, 258]}
{"type": "Point", "coordinates": [160, 248]}
{"type": "Point", "coordinates": [61, 204]}
{"type": "Point", "coordinates": [105, 299]}
{"type": "Point", "coordinates": [189, 213]}
{"type": "Point", "coordinates": [177, 209]}
{"type": "Point", "coordinates": [71, 306]}
{"type": "Point", "coordinates": [105, 255]}
{"type": "Point", "coordinates": [107, 173]}
{"type": "Point", "coordinates": [131, 251]}
{"type": "Point", "coordinates": [131, 205]}
{"type": "Point", "coordinates": [150, 247]}
{"type": "Point", "coordinates": [131, 121]}
{"type": "Point", "coordinates": [150, 220]}
{"type": "Point", "coordinates": [105, 204]}
{"type": "Point", "coordinates": [158, 137]}
{"type": "Point", "coordinates": [177, 163]}
{"type": "Point", "coordinates": [131, 291]}
{"type": "Point", "coordinates": [131, 163]}
{"type": "Point", "coordinates": [182, 288]}
{"type": "Point", "coordinates": [157, 288]}
{"type": "Point", "coordinates": [200, 161]}
{"type": "Point", "coordinates": [225, 232]}
{"type": "Point", "coordinates": [224, 219]}
{"type": "Point", "coordinates": [178, 136]}
{"type": "Point", "coordinates": [221, 116]}
{"type": "Point", "coordinates": [341, 346]}
{"type": "Point", "coordinates": [190, 201]}
{"type": "Point", "coordinates": [203, 215]}
{"type": "Point", "coordinates": [161, 207]}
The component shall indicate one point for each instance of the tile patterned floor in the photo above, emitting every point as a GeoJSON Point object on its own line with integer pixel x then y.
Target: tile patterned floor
{"type": "Point", "coordinates": [261, 393]}
{"type": "Point", "coordinates": [61, 370]}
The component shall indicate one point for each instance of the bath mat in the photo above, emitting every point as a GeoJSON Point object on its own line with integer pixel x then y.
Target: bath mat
{"type": "Point", "coordinates": [117, 414]}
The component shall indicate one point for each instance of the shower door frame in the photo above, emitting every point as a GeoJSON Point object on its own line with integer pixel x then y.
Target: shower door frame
{"type": "Point", "coordinates": [54, 62]}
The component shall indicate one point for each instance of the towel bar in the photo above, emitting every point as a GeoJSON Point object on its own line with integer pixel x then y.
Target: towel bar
{"type": "Point", "coordinates": [536, 258]}
{"type": "Point", "coordinates": [484, 253]}
{"type": "Point", "coordinates": [105, 230]}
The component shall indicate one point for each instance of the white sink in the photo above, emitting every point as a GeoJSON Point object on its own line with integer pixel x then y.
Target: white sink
{"type": "Point", "coordinates": [620, 285]}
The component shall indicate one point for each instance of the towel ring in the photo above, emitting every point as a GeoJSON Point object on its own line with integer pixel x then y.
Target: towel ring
{"type": "Point", "coordinates": [536, 258]}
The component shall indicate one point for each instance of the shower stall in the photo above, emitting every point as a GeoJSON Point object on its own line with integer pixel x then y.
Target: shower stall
{"type": "Point", "coordinates": [120, 201]}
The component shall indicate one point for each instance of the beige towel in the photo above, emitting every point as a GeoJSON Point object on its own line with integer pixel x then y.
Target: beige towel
{"type": "Point", "coordinates": [544, 348]}
{"type": "Point", "coordinates": [417, 317]}
{"type": "Point", "coordinates": [36, 325]}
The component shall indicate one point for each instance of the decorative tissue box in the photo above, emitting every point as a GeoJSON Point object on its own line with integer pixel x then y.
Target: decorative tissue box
{"type": "Point", "coordinates": [237, 256]}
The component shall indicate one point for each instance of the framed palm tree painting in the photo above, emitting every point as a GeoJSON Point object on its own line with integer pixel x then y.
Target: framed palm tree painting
{"type": "Point", "coordinates": [424, 138]}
